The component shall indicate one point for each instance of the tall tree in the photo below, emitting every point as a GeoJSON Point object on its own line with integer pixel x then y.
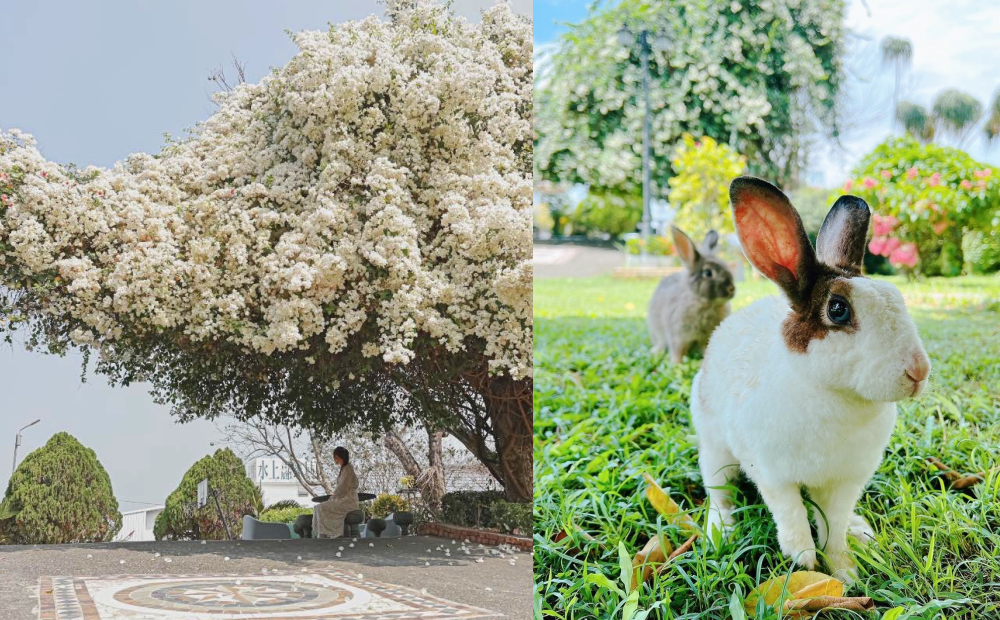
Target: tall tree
{"type": "Point", "coordinates": [755, 75]}
{"type": "Point", "coordinates": [182, 519]}
{"type": "Point", "coordinates": [957, 113]}
{"type": "Point", "coordinates": [60, 493]}
{"type": "Point", "coordinates": [916, 121]}
{"type": "Point", "coordinates": [991, 130]}
{"type": "Point", "coordinates": [345, 243]}
{"type": "Point", "coordinates": [898, 53]}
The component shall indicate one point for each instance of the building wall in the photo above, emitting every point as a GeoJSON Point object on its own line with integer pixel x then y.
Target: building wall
{"type": "Point", "coordinates": [137, 525]}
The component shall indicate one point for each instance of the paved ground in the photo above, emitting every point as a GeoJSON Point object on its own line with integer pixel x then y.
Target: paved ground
{"type": "Point", "coordinates": [574, 261]}
{"type": "Point", "coordinates": [481, 578]}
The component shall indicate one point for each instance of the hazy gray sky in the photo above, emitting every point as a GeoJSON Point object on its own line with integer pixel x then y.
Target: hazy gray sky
{"type": "Point", "coordinates": [95, 81]}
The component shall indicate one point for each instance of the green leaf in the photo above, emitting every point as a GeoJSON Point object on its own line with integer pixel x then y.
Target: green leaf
{"type": "Point", "coordinates": [631, 605]}
{"type": "Point", "coordinates": [736, 604]}
{"type": "Point", "coordinates": [625, 563]}
{"type": "Point", "coordinates": [893, 614]}
{"type": "Point", "coordinates": [604, 582]}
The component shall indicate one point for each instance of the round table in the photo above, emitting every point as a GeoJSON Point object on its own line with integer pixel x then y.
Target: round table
{"type": "Point", "coordinates": [362, 497]}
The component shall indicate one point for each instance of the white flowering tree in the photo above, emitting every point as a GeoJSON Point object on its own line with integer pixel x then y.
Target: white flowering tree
{"type": "Point", "coordinates": [758, 75]}
{"type": "Point", "coordinates": [345, 243]}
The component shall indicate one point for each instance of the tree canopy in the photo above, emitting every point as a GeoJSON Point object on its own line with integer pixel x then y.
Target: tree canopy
{"type": "Point", "coordinates": [60, 493]}
{"type": "Point", "coordinates": [340, 244]}
{"type": "Point", "coordinates": [754, 75]}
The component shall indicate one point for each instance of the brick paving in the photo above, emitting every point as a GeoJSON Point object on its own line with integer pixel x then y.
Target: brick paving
{"type": "Point", "coordinates": [408, 578]}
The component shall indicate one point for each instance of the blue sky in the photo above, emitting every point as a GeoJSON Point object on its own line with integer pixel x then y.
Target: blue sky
{"type": "Point", "coordinates": [551, 15]}
{"type": "Point", "coordinates": [95, 81]}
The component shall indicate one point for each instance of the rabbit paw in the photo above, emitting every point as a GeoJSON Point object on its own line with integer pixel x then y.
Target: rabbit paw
{"type": "Point", "coordinates": [800, 548]}
{"type": "Point", "coordinates": [858, 529]}
{"type": "Point", "coordinates": [721, 521]}
{"type": "Point", "coordinates": [843, 568]}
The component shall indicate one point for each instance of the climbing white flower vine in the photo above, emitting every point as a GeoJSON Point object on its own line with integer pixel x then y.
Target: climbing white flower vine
{"type": "Point", "coordinates": [378, 185]}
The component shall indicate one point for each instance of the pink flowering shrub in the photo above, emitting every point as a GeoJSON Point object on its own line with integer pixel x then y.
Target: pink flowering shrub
{"type": "Point", "coordinates": [924, 198]}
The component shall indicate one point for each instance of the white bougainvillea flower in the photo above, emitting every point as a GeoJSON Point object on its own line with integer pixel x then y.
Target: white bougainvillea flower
{"type": "Point", "coordinates": [382, 177]}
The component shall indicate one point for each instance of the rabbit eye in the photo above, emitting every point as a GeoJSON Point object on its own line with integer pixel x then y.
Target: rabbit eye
{"type": "Point", "coordinates": [707, 273]}
{"type": "Point", "coordinates": [839, 311]}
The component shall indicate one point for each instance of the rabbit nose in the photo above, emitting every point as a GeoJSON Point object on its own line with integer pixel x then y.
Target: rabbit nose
{"type": "Point", "coordinates": [919, 367]}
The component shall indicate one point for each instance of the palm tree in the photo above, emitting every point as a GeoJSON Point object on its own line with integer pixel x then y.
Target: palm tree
{"type": "Point", "coordinates": [915, 120]}
{"type": "Point", "coordinates": [992, 127]}
{"type": "Point", "coordinates": [897, 52]}
{"type": "Point", "coordinates": [957, 113]}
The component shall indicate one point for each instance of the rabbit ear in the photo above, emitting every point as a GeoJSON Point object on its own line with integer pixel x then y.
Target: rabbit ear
{"type": "Point", "coordinates": [773, 237]}
{"type": "Point", "coordinates": [685, 247]}
{"type": "Point", "coordinates": [841, 239]}
{"type": "Point", "coordinates": [711, 240]}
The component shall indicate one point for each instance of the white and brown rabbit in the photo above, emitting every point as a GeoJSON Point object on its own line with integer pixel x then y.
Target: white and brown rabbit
{"type": "Point", "coordinates": [689, 304]}
{"type": "Point", "coordinates": [799, 390]}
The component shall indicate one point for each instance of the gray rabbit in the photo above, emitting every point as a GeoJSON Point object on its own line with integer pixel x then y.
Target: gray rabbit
{"type": "Point", "coordinates": [688, 305]}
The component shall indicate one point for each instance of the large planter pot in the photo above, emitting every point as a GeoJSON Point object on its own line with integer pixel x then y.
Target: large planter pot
{"type": "Point", "coordinates": [375, 526]}
{"type": "Point", "coordinates": [404, 519]}
{"type": "Point", "coordinates": [303, 526]}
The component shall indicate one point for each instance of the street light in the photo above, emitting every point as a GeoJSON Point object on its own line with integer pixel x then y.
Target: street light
{"type": "Point", "coordinates": [17, 444]}
{"type": "Point", "coordinates": [659, 42]}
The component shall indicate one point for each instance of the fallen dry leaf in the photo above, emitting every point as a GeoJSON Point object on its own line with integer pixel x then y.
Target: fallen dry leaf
{"type": "Point", "coordinates": [808, 606]}
{"type": "Point", "coordinates": [684, 548]}
{"type": "Point", "coordinates": [801, 585]}
{"type": "Point", "coordinates": [956, 480]}
{"type": "Point", "coordinates": [582, 534]}
{"type": "Point", "coordinates": [650, 559]}
{"type": "Point", "coordinates": [668, 507]}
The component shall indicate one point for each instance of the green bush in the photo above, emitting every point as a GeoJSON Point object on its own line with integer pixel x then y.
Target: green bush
{"type": "Point", "coordinates": [982, 251]}
{"type": "Point", "coordinates": [510, 517]}
{"type": "Point", "coordinates": [59, 493]}
{"type": "Point", "coordinates": [486, 509]}
{"type": "Point", "coordinates": [238, 496]}
{"type": "Point", "coordinates": [609, 212]}
{"type": "Point", "coordinates": [658, 246]}
{"type": "Point", "coordinates": [387, 503]}
{"type": "Point", "coordinates": [925, 198]}
{"type": "Point", "coordinates": [284, 514]}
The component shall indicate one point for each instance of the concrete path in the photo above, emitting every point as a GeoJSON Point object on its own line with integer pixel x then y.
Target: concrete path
{"type": "Point", "coordinates": [574, 261]}
{"type": "Point", "coordinates": [397, 578]}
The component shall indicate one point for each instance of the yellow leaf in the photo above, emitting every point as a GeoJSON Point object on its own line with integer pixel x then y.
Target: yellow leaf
{"type": "Point", "coordinates": [801, 585]}
{"type": "Point", "coordinates": [666, 506]}
{"type": "Point", "coordinates": [826, 587]}
{"type": "Point", "coordinates": [649, 559]}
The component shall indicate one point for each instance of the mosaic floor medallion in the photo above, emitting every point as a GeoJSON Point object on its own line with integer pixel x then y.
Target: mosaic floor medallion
{"type": "Point", "coordinates": [320, 595]}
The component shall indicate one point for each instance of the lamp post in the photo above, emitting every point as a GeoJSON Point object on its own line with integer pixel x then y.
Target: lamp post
{"type": "Point", "coordinates": [17, 444]}
{"type": "Point", "coordinates": [661, 43]}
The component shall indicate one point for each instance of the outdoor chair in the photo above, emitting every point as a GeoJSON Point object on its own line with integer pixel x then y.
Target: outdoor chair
{"type": "Point", "coordinates": [254, 529]}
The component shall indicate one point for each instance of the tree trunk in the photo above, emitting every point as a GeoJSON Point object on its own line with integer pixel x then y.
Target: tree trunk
{"type": "Point", "coordinates": [433, 488]}
{"type": "Point", "coordinates": [430, 480]}
{"type": "Point", "coordinates": [509, 406]}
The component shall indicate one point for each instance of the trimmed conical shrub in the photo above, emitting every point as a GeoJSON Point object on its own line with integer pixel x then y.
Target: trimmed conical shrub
{"type": "Point", "coordinates": [60, 493]}
{"type": "Point", "coordinates": [238, 496]}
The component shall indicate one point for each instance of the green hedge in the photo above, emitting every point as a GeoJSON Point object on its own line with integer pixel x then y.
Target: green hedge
{"type": "Point", "coordinates": [387, 503]}
{"type": "Point", "coordinates": [487, 509]}
{"type": "Point", "coordinates": [284, 514]}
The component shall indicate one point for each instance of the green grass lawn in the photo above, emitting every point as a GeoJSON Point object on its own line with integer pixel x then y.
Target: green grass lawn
{"type": "Point", "coordinates": [605, 411]}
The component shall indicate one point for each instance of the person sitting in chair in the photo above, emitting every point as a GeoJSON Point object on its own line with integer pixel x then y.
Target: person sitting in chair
{"type": "Point", "coordinates": [328, 516]}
